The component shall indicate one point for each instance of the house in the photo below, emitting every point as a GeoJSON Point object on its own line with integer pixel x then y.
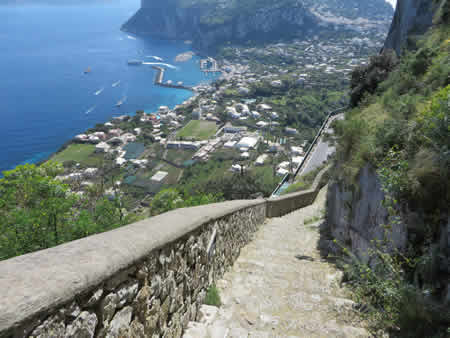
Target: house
{"type": "Point", "coordinates": [284, 164]}
{"type": "Point", "coordinates": [230, 144]}
{"type": "Point", "coordinates": [102, 147]}
{"type": "Point", "coordinates": [93, 139]}
{"type": "Point", "coordinates": [242, 108]}
{"type": "Point", "coordinates": [245, 155]}
{"type": "Point", "coordinates": [159, 176]}
{"type": "Point", "coordinates": [274, 115]}
{"type": "Point", "coordinates": [163, 110]}
{"type": "Point", "coordinates": [276, 83]}
{"type": "Point", "coordinates": [296, 150]}
{"type": "Point", "coordinates": [282, 172]}
{"type": "Point", "coordinates": [236, 168]}
{"type": "Point", "coordinates": [247, 142]}
{"type": "Point", "coordinates": [290, 131]}
{"type": "Point", "coordinates": [81, 138]}
{"type": "Point", "coordinates": [233, 129]}
{"type": "Point", "coordinates": [115, 132]}
{"type": "Point", "coordinates": [261, 159]}
{"type": "Point", "coordinates": [101, 135]}
{"type": "Point", "coordinates": [262, 124]}
{"type": "Point", "coordinates": [263, 107]}
{"type": "Point", "coordinates": [128, 137]}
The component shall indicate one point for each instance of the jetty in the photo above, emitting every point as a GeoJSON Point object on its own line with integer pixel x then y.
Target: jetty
{"type": "Point", "coordinates": [159, 80]}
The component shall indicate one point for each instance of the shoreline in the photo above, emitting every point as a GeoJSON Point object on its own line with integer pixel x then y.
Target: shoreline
{"type": "Point", "coordinates": [66, 144]}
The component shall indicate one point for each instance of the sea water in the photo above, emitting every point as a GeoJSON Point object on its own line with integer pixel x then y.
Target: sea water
{"type": "Point", "coordinates": [45, 97]}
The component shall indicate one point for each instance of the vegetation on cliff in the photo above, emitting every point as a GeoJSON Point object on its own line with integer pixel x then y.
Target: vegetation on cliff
{"type": "Point", "coordinates": [400, 125]}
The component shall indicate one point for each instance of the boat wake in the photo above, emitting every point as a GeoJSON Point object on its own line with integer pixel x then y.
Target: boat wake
{"type": "Point", "coordinates": [121, 102]}
{"type": "Point", "coordinates": [90, 110]}
{"type": "Point", "coordinates": [160, 64]}
{"type": "Point", "coordinates": [157, 58]}
{"type": "Point", "coordinates": [98, 92]}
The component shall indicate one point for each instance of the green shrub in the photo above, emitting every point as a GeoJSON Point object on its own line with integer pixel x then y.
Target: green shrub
{"type": "Point", "coordinates": [213, 297]}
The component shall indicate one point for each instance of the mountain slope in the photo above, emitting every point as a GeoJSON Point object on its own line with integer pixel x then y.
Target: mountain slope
{"type": "Point", "coordinates": [211, 22]}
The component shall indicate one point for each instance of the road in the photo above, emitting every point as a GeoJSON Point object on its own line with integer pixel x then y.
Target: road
{"type": "Point", "coordinates": [321, 151]}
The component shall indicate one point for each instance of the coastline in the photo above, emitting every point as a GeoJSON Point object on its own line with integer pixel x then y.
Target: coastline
{"type": "Point", "coordinates": [66, 144]}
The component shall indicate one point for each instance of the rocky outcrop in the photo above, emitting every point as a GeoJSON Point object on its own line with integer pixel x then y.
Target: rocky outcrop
{"type": "Point", "coordinates": [211, 23]}
{"type": "Point", "coordinates": [358, 218]}
{"type": "Point", "coordinates": [169, 21]}
{"type": "Point", "coordinates": [412, 17]}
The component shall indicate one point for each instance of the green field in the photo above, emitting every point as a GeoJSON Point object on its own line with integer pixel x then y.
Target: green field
{"type": "Point", "coordinates": [198, 130]}
{"type": "Point", "coordinates": [74, 152]}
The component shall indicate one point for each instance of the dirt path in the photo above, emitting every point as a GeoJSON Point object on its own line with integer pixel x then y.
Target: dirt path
{"type": "Point", "coordinates": [281, 287]}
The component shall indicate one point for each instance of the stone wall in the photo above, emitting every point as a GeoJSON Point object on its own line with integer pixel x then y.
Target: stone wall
{"type": "Point", "coordinates": [285, 204]}
{"type": "Point", "coordinates": [144, 280]}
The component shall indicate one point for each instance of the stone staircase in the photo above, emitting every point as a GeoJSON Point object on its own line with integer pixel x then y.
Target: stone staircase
{"type": "Point", "coordinates": [281, 287]}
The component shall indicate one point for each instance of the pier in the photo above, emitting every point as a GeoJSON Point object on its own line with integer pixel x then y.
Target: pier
{"type": "Point", "coordinates": [159, 80]}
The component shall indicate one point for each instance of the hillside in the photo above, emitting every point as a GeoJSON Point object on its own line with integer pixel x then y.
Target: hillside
{"type": "Point", "coordinates": [210, 23]}
{"type": "Point", "coordinates": [388, 203]}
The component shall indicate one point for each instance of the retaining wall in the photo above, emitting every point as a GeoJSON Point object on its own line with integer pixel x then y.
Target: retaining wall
{"type": "Point", "coordinates": [146, 279]}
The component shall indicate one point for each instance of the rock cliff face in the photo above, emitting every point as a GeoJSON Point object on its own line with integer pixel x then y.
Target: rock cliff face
{"type": "Point", "coordinates": [206, 27]}
{"type": "Point", "coordinates": [356, 218]}
{"type": "Point", "coordinates": [412, 17]}
{"type": "Point", "coordinates": [209, 23]}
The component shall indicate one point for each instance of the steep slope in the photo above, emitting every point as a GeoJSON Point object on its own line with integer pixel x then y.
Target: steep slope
{"type": "Point", "coordinates": [412, 17]}
{"type": "Point", "coordinates": [211, 22]}
{"type": "Point", "coordinates": [391, 191]}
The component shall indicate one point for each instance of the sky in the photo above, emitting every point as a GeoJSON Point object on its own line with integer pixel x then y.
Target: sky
{"type": "Point", "coordinates": [392, 2]}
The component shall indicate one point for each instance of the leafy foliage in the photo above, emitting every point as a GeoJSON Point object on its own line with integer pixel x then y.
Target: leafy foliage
{"type": "Point", "coordinates": [37, 211]}
{"type": "Point", "coordinates": [213, 297]}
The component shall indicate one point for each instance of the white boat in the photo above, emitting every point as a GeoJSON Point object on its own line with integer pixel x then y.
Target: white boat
{"type": "Point", "coordinates": [98, 92]}
{"type": "Point", "coordinates": [121, 102]}
{"type": "Point", "coordinates": [115, 84]}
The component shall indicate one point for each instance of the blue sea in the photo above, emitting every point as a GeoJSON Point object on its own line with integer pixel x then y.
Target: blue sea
{"type": "Point", "coordinates": [45, 97]}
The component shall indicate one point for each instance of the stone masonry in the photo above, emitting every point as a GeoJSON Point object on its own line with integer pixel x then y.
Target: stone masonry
{"type": "Point", "coordinates": [157, 296]}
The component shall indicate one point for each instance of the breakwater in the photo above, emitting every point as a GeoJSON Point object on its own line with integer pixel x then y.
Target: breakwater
{"type": "Point", "coordinates": [159, 80]}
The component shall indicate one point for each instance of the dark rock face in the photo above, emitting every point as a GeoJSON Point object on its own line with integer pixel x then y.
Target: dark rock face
{"type": "Point", "coordinates": [412, 17]}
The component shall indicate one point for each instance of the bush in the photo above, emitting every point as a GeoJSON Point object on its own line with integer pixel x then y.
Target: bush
{"type": "Point", "coordinates": [365, 79]}
{"type": "Point", "coordinates": [213, 297]}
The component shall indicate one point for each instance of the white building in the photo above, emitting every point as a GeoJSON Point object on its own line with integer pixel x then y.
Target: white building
{"type": "Point", "coordinates": [159, 176]}
{"type": "Point", "coordinates": [247, 142]}
{"type": "Point", "coordinates": [245, 155]}
{"type": "Point", "coordinates": [261, 159]}
{"type": "Point", "coordinates": [297, 150]}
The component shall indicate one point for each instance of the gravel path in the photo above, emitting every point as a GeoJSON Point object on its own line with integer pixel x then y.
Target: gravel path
{"type": "Point", "coordinates": [281, 287]}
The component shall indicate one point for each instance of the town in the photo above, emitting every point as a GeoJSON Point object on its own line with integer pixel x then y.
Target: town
{"type": "Point", "coordinates": [258, 118]}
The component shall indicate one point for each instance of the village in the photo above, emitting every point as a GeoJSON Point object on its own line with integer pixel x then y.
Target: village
{"type": "Point", "coordinates": [260, 116]}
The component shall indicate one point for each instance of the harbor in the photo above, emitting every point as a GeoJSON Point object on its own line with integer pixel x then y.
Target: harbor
{"type": "Point", "coordinates": [159, 80]}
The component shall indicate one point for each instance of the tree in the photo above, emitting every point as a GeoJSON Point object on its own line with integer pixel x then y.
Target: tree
{"type": "Point", "coordinates": [34, 209]}
{"type": "Point", "coordinates": [38, 211]}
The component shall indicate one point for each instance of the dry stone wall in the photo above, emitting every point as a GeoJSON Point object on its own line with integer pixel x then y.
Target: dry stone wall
{"type": "Point", "coordinates": [146, 279]}
{"type": "Point", "coordinates": [157, 295]}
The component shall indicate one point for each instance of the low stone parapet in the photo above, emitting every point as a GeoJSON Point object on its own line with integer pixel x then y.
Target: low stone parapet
{"type": "Point", "coordinates": [285, 204]}
{"type": "Point", "coordinates": [142, 280]}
